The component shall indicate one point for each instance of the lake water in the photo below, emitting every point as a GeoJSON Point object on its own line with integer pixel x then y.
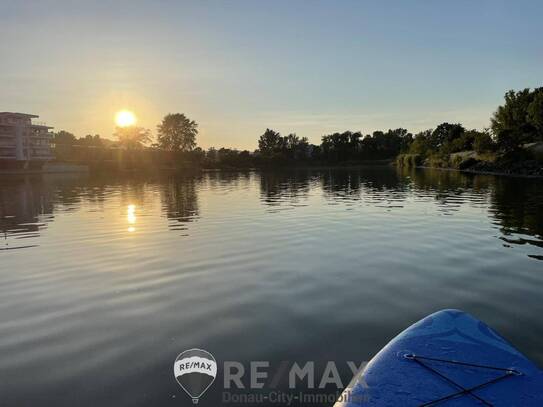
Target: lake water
{"type": "Point", "coordinates": [104, 280]}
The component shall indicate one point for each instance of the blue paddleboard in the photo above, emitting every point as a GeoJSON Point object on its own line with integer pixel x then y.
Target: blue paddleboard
{"type": "Point", "coordinates": [447, 359]}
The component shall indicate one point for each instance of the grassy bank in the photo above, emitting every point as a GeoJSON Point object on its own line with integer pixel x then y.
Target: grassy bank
{"type": "Point", "coordinates": [525, 161]}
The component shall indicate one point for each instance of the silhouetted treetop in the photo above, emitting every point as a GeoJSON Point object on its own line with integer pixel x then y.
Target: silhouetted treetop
{"type": "Point", "coordinates": [177, 132]}
{"type": "Point", "coordinates": [132, 136]}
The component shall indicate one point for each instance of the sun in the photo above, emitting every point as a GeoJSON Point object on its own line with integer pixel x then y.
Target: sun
{"type": "Point", "coordinates": [125, 118]}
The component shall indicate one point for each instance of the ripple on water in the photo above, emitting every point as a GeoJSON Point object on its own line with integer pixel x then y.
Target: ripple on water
{"type": "Point", "coordinates": [117, 275]}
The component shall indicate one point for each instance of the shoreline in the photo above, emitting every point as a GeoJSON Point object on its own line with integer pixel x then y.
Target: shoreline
{"type": "Point", "coordinates": [83, 169]}
{"type": "Point", "coordinates": [56, 168]}
{"type": "Point", "coordinates": [479, 172]}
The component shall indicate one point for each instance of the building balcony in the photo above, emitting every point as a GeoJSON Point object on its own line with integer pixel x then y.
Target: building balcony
{"type": "Point", "coordinates": [45, 136]}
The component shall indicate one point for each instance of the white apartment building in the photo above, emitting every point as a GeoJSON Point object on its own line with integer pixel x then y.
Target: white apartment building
{"type": "Point", "coordinates": [23, 144]}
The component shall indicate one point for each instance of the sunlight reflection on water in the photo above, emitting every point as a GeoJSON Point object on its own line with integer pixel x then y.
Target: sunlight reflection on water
{"type": "Point", "coordinates": [131, 217]}
{"type": "Point", "coordinates": [104, 280]}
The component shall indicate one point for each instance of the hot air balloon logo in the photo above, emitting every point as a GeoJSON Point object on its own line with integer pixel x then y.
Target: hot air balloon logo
{"type": "Point", "coordinates": [195, 370]}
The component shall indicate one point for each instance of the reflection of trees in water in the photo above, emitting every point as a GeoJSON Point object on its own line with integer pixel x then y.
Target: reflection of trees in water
{"type": "Point", "coordinates": [454, 182]}
{"type": "Point", "coordinates": [133, 192]}
{"type": "Point", "coordinates": [289, 187]}
{"type": "Point", "coordinates": [376, 185]}
{"type": "Point", "coordinates": [27, 203]}
{"type": "Point", "coordinates": [379, 185]}
{"type": "Point", "coordinates": [180, 198]}
{"type": "Point", "coordinates": [449, 189]}
{"type": "Point", "coordinates": [340, 184]}
{"type": "Point", "coordinates": [229, 179]}
{"type": "Point", "coordinates": [517, 204]}
{"type": "Point", "coordinates": [72, 190]}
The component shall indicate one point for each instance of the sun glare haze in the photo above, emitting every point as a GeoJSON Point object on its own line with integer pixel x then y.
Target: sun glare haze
{"type": "Point", "coordinates": [241, 203]}
{"type": "Point", "coordinates": [125, 118]}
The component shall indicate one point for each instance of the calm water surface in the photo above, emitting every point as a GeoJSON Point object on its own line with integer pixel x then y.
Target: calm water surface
{"type": "Point", "coordinates": [105, 279]}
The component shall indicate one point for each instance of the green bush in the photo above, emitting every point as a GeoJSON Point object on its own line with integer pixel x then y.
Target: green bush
{"type": "Point", "coordinates": [464, 142]}
{"type": "Point", "coordinates": [456, 161]}
{"type": "Point", "coordinates": [437, 161]}
{"type": "Point", "coordinates": [409, 160]}
{"type": "Point", "coordinates": [483, 143]}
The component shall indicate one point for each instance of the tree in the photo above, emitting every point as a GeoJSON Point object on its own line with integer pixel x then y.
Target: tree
{"type": "Point", "coordinates": [296, 148]}
{"type": "Point", "coordinates": [196, 156]}
{"type": "Point", "coordinates": [421, 143]}
{"type": "Point", "coordinates": [391, 143]}
{"type": "Point", "coordinates": [90, 140]}
{"type": "Point", "coordinates": [444, 135]}
{"type": "Point", "coordinates": [535, 112]}
{"type": "Point", "coordinates": [132, 136]}
{"type": "Point", "coordinates": [464, 142]}
{"type": "Point", "coordinates": [270, 143]}
{"type": "Point", "coordinates": [520, 119]}
{"type": "Point", "coordinates": [381, 145]}
{"type": "Point", "coordinates": [63, 137]}
{"type": "Point", "coordinates": [212, 155]}
{"type": "Point", "coordinates": [401, 138]}
{"type": "Point", "coordinates": [341, 146]}
{"type": "Point", "coordinates": [177, 132]}
{"type": "Point", "coordinates": [508, 141]}
{"type": "Point", "coordinates": [483, 142]}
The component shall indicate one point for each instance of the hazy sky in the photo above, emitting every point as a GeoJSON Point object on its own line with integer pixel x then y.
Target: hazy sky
{"type": "Point", "coordinates": [237, 67]}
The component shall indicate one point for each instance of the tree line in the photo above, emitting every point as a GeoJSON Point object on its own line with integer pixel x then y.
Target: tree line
{"type": "Point", "coordinates": [176, 132]}
{"type": "Point", "coordinates": [515, 123]}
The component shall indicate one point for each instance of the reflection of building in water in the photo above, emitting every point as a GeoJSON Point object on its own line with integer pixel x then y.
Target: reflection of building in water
{"type": "Point", "coordinates": [27, 203]}
{"type": "Point", "coordinates": [22, 202]}
{"type": "Point", "coordinates": [23, 144]}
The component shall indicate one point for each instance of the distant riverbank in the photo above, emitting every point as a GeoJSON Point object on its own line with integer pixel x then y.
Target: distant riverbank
{"type": "Point", "coordinates": [482, 172]}
{"type": "Point", "coordinates": [306, 165]}
{"type": "Point", "coordinates": [49, 168]}
{"type": "Point", "coordinates": [526, 161]}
